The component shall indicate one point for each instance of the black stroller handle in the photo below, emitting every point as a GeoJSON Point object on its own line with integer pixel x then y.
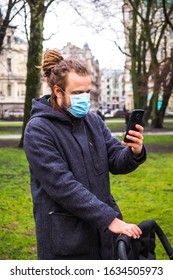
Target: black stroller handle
{"type": "Point", "coordinates": [122, 253]}
{"type": "Point", "coordinates": [148, 226]}
{"type": "Point", "coordinates": [164, 241]}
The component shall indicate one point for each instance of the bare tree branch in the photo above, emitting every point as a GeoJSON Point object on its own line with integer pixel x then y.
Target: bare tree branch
{"type": "Point", "coordinates": [8, 18]}
{"type": "Point", "coordinates": [167, 14]}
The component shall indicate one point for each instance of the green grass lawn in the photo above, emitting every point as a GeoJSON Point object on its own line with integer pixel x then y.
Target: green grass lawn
{"type": "Point", "coordinates": [17, 233]}
{"type": "Point", "coordinates": [147, 193]}
{"type": "Point", "coordinates": [119, 125]}
{"type": "Point", "coordinates": [10, 129]}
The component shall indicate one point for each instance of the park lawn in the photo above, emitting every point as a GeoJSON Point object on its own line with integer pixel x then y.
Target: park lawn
{"type": "Point", "coordinates": [10, 123]}
{"type": "Point", "coordinates": [17, 233]}
{"type": "Point", "coordinates": [157, 140]}
{"type": "Point", "coordinates": [147, 193]}
{"type": "Point", "coordinates": [10, 130]}
{"type": "Point", "coordinates": [10, 127]}
{"type": "Point", "coordinates": [118, 126]}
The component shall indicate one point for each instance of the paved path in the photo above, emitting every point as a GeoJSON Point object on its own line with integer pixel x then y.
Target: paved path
{"type": "Point", "coordinates": [18, 136]}
{"type": "Point", "coordinates": [146, 133]}
{"type": "Point", "coordinates": [7, 136]}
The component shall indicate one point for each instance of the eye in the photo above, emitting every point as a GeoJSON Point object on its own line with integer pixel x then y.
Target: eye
{"type": "Point", "coordinates": [80, 92]}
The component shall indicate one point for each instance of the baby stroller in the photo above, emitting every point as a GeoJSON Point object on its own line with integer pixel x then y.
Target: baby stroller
{"type": "Point", "coordinates": [143, 248]}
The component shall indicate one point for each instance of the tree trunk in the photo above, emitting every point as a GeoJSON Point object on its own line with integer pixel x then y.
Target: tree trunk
{"type": "Point", "coordinates": [140, 96]}
{"type": "Point", "coordinates": [165, 78]}
{"type": "Point", "coordinates": [138, 50]}
{"type": "Point", "coordinates": [145, 42]}
{"type": "Point", "coordinates": [167, 88]}
{"type": "Point", "coordinates": [33, 80]}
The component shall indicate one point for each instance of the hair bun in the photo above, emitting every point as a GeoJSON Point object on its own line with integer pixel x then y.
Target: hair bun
{"type": "Point", "coordinates": [50, 59]}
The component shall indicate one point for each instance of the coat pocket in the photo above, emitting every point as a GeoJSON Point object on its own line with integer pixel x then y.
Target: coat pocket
{"type": "Point", "coordinates": [69, 235]}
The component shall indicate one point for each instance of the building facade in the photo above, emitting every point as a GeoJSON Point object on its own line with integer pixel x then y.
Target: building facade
{"type": "Point", "coordinates": [107, 85]}
{"type": "Point", "coordinates": [13, 59]}
{"type": "Point", "coordinates": [112, 90]}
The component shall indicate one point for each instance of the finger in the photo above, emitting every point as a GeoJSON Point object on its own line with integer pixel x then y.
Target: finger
{"type": "Point", "coordinates": [139, 128]}
{"type": "Point", "coordinates": [135, 134]}
{"type": "Point", "coordinates": [129, 231]}
{"type": "Point", "coordinates": [135, 141]}
{"type": "Point", "coordinates": [134, 231]}
{"type": "Point", "coordinates": [137, 231]}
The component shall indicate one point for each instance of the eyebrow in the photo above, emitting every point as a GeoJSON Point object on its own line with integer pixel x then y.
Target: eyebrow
{"type": "Point", "coordinates": [80, 91]}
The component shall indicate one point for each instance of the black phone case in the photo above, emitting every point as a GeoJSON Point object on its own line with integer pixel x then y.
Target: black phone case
{"type": "Point", "coordinates": [135, 118]}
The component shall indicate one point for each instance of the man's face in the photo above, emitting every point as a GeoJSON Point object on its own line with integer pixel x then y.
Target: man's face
{"type": "Point", "coordinates": [76, 84]}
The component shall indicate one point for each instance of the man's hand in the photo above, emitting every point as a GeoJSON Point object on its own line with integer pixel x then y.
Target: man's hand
{"type": "Point", "coordinates": [120, 227]}
{"type": "Point", "coordinates": [137, 138]}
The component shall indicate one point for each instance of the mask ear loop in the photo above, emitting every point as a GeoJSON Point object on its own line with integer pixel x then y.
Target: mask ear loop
{"type": "Point", "coordinates": [65, 92]}
{"type": "Point", "coordinates": [59, 97]}
{"type": "Point", "coordinates": [70, 100]}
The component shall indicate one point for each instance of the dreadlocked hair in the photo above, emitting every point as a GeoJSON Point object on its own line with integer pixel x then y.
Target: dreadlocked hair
{"type": "Point", "coordinates": [50, 59]}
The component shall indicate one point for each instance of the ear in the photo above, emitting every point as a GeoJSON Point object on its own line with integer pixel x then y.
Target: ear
{"type": "Point", "coordinates": [57, 91]}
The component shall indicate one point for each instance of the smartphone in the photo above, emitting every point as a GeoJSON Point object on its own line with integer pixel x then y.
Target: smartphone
{"type": "Point", "coordinates": [135, 118]}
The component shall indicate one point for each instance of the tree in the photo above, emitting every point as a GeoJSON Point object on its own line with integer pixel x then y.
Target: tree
{"type": "Point", "coordinates": [148, 36]}
{"type": "Point", "coordinates": [168, 19]}
{"type": "Point", "coordinates": [38, 9]}
{"type": "Point", "coordinates": [167, 88]}
{"type": "Point", "coordinates": [162, 68]}
{"type": "Point", "coordinates": [136, 62]}
{"type": "Point", "coordinates": [147, 40]}
{"type": "Point", "coordinates": [7, 13]}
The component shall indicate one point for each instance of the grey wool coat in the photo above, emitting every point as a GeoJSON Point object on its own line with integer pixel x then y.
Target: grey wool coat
{"type": "Point", "coordinates": [69, 161]}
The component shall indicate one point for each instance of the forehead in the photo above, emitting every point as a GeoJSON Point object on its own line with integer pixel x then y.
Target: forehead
{"type": "Point", "coordinates": [76, 81]}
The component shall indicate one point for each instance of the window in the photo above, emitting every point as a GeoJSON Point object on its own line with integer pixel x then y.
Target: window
{"type": "Point", "coordinates": [9, 41]}
{"type": "Point", "coordinates": [171, 52]}
{"type": "Point", "coordinates": [9, 90]}
{"type": "Point", "coordinates": [9, 64]}
{"type": "Point", "coordinates": [163, 53]}
{"type": "Point", "coordinates": [130, 15]}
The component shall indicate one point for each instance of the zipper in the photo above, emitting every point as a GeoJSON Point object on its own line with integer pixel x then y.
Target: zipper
{"type": "Point", "coordinates": [60, 213]}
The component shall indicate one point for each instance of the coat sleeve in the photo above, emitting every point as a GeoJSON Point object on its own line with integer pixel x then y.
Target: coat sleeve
{"type": "Point", "coordinates": [53, 175]}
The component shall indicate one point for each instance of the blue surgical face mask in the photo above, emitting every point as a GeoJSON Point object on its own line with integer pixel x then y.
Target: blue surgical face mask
{"type": "Point", "coordinates": [80, 104]}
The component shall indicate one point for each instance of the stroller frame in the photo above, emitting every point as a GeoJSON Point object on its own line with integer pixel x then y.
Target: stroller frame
{"type": "Point", "coordinates": [143, 248]}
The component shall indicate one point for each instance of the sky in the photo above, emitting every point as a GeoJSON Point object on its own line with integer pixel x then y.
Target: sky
{"type": "Point", "coordinates": [68, 27]}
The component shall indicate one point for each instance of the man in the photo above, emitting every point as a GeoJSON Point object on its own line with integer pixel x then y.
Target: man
{"type": "Point", "coordinates": [70, 153]}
